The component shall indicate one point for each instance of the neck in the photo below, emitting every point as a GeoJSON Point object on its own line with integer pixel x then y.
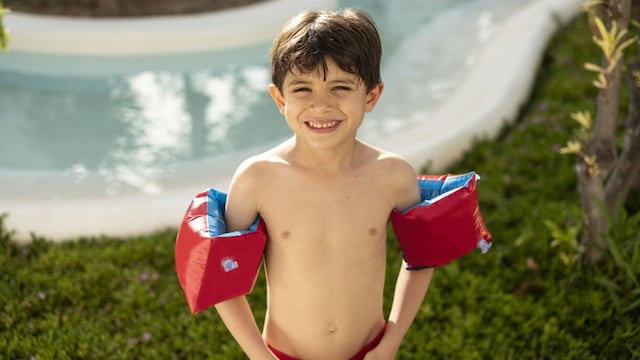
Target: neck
{"type": "Point", "coordinates": [335, 159]}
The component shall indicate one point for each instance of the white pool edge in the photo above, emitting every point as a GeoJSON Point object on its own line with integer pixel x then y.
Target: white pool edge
{"type": "Point", "coordinates": [507, 66]}
{"type": "Point", "coordinates": [235, 27]}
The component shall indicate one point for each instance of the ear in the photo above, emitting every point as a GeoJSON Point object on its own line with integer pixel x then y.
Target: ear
{"type": "Point", "coordinates": [373, 96]}
{"type": "Point", "coordinates": [277, 97]}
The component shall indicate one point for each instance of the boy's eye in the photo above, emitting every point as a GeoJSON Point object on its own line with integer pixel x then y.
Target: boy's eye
{"type": "Point", "coordinates": [302, 89]}
{"type": "Point", "coordinates": [342, 88]}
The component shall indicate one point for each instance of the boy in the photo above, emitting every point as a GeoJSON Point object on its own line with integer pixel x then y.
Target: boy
{"type": "Point", "coordinates": [325, 198]}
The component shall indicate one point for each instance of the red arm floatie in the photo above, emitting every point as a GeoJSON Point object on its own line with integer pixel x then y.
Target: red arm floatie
{"type": "Point", "coordinates": [212, 264]}
{"type": "Point", "coordinates": [445, 225]}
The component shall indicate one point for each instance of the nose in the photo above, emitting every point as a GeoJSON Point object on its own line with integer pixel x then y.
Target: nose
{"type": "Point", "coordinates": [321, 102]}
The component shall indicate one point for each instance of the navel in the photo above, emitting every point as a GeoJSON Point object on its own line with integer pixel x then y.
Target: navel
{"type": "Point", "coordinates": [373, 232]}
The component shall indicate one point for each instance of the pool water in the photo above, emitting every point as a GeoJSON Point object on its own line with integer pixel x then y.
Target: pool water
{"type": "Point", "coordinates": [129, 119]}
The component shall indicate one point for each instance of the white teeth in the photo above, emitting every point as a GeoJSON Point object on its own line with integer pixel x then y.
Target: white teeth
{"type": "Point", "coordinates": [323, 125]}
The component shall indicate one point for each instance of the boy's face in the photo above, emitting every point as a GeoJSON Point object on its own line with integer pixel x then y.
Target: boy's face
{"type": "Point", "coordinates": [324, 111]}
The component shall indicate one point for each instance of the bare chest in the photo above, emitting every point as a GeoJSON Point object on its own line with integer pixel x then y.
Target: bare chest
{"type": "Point", "coordinates": [340, 215]}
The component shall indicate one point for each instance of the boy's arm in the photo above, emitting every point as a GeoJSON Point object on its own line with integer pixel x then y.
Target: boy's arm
{"type": "Point", "coordinates": [238, 317]}
{"type": "Point", "coordinates": [411, 288]}
{"type": "Point", "coordinates": [411, 285]}
{"type": "Point", "coordinates": [241, 211]}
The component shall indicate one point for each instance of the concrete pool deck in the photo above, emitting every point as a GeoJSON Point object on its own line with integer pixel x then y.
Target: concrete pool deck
{"type": "Point", "coordinates": [507, 65]}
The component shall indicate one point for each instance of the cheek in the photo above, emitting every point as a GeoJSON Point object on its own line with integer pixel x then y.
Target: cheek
{"type": "Point", "coordinates": [292, 107]}
{"type": "Point", "coordinates": [356, 107]}
{"type": "Point", "coordinates": [290, 112]}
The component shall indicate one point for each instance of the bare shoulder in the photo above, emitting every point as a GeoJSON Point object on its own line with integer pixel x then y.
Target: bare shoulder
{"type": "Point", "coordinates": [397, 165]}
{"type": "Point", "coordinates": [256, 169]}
{"type": "Point", "coordinates": [395, 168]}
{"type": "Point", "coordinates": [246, 192]}
{"type": "Point", "coordinates": [399, 178]}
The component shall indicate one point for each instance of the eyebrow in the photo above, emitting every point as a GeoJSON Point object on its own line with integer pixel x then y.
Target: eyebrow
{"type": "Point", "coordinates": [295, 82]}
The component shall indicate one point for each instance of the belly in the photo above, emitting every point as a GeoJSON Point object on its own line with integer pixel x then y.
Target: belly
{"type": "Point", "coordinates": [324, 308]}
{"type": "Point", "coordinates": [322, 334]}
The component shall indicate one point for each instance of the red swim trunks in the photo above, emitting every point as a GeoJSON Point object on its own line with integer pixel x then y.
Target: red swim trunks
{"type": "Point", "coordinates": [359, 356]}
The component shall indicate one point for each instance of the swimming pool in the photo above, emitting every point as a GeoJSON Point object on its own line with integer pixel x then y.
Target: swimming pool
{"type": "Point", "coordinates": [118, 144]}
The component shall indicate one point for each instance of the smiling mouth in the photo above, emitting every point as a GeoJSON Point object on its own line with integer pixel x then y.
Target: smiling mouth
{"type": "Point", "coordinates": [322, 125]}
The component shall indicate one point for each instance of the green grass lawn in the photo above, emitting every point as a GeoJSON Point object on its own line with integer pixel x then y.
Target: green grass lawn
{"type": "Point", "coordinates": [528, 298]}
